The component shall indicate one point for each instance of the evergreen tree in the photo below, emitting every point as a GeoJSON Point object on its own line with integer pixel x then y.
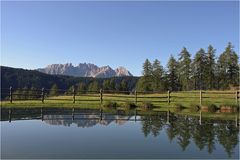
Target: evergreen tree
{"type": "Point", "coordinates": [25, 91]}
{"type": "Point", "coordinates": [117, 86]}
{"type": "Point", "coordinates": [106, 84]}
{"type": "Point", "coordinates": [185, 69]}
{"type": "Point", "coordinates": [158, 76]}
{"type": "Point", "coordinates": [112, 84]}
{"type": "Point", "coordinates": [123, 85]}
{"type": "Point", "coordinates": [140, 86]}
{"type": "Point", "coordinates": [147, 68]}
{"type": "Point", "coordinates": [199, 69]}
{"type": "Point", "coordinates": [70, 90]}
{"type": "Point", "coordinates": [17, 94]}
{"type": "Point", "coordinates": [33, 94]}
{"type": "Point", "coordinates": [93, 86]}
{"type": "Point", "coordinates": [172, 77]}
{"type": "Point", "coordinates": [227, 68]}
{"type": "Point", "coordinates": [210, 68]}
{"type": "Point", "coordinates": [145, 82]}
{"type": "Point", "coordinates": [54, 90]}
{"type": "Point", "coordinates": [233, 66]}
{"type": "Point", "coordinates": [81, 88]}
{"type": "Point", "coordinates": [222, 81]}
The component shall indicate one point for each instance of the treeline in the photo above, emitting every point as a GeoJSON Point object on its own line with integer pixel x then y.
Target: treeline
{"type": "Point", "coordinates": [113, 84]}
{"type": "Point", "coordinates": [205, 71]}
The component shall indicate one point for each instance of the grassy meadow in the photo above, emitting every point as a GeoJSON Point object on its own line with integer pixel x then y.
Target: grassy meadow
{"type": "Point", "coordinates": [158, 100]}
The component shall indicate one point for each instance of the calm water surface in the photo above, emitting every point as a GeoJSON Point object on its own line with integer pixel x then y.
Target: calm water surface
{"type": "Point", "coordinates": [92, 134]}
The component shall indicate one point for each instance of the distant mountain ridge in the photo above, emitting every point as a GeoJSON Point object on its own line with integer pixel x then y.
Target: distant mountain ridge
{"type": "Point", "coordinates": [85, 70]}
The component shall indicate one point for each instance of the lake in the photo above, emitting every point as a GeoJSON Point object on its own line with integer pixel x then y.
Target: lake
{"type": "Point", "coordinates": [81, 133]}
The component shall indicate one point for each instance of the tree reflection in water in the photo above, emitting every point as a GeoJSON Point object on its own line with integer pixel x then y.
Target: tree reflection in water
{"type": "Point", "coordinates": [151, 124]}
{"type": "Point", "coordinates": [184, 129]}
{"type": "Point", "coordinates": [227, 136]}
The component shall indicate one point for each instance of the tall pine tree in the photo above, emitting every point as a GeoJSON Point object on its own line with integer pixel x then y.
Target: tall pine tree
{"type": "Point", "coordinates": [147, 68]}
{"type": "Point", "coordinates": [106, 84]}
{"type": "Point", "coordinates": [185, 69]}
{"type": "Point", "coordinates": [145, 82]}
{"type": "Point", "coordinates": [81, 88]}
{"type": "Point", "coordinates": [199, 69]}
{"type": "Point", "coordinates": [54, 90]}
{"type": "Point", "coordinates": [228, 68]}
{"type": "Point", "coordinates": [93, 86]}
{"type": "Point", "coordinates": [172, 75]}
{"type": "Point", "coordinates": [158, 76]}
{"type": "Point", "coordinates": [210, 68]}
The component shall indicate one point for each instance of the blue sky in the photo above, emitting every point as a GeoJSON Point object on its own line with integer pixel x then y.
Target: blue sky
{"type": "Point", "coordinates": [35, 34]}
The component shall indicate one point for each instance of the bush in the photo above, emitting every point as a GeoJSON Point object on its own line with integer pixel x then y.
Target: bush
{"type": "Point", "coordinates": [194, 108]}
{"type": "Point", "coordinates": [179, 107]}
{"type": "Point", "coordinates": [147, 105]}
{"type": "Point", "coordinates": [129, 105]}
{"type": "Point", "coordinates": [212, 108]}
{"type": "Point", "coordinates": [110, 104]}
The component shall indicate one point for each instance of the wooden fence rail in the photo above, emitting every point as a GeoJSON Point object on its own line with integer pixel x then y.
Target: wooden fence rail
{"type": "Point", "coordinates": [136, 97]}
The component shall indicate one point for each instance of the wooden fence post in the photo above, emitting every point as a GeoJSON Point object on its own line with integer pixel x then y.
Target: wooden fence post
{"type": "Point", "coordinates": [101, 96]}
{"type": "Point", "coordinates": [73, 94]}
{"type": "Point", "coordinates": [168, 97]}
{"type": "Point", "coordinates": [135, 97]}
{"type": "Point", "coordinates": [200, 94]}
{"type": "Point", "coordinates": [42, 95]}
{"type": "Point", "coordinates": [10, 94]}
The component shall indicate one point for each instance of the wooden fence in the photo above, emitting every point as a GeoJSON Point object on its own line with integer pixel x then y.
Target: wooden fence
{"type": "Point", "coordinates": [118, 96]}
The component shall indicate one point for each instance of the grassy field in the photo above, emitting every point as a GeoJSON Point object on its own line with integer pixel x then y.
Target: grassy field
{"type": "Point", "coordinates": [185, 99]}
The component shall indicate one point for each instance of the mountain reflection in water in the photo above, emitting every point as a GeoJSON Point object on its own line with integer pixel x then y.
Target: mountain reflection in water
{"type": "Point", "coordinates": [182, 128]}
{"type": "Point", "coordinates": [85, 121]}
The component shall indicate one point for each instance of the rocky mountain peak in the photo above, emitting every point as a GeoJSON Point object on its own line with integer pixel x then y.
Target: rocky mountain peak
{"type": "Point", "coordinates": [85, 70]}
{"type": "Point", "coordinates": [122, 71]}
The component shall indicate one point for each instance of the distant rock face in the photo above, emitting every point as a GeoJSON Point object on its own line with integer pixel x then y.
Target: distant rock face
{"type": "Point", "coordinates": [85, 70]}
{"type": "Point", "coordinates": [121, 71]}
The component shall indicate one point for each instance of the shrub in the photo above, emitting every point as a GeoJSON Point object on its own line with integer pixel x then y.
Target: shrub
{"type": "Point", "coordinates": [212, 108]}
{"type": "Point", "coordinates": [194, 108]}
{"type": "Point", "coordinates": [179, 107]}
{"type": "Point", "coordinates": [129, 105]}
{"type": "Point", "coordinates": [147, 105]}
{"type": "Point", "coordinates": [110, 104]}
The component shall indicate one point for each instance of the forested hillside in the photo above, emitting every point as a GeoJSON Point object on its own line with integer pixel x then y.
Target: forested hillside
{"type": "Point", "coordinates": [30, 79]}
